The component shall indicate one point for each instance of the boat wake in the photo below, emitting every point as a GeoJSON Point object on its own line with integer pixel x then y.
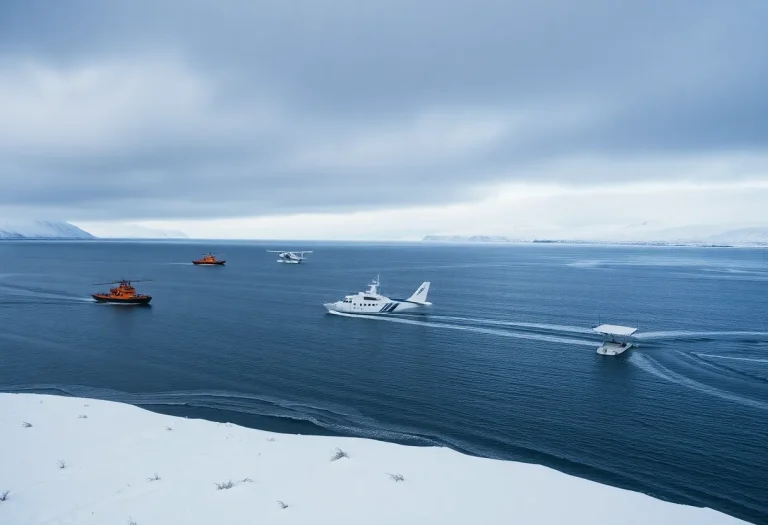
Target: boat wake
{"type": "Point", "coordinates": [564, 334]}
{"type": "Point", "coordinates": [732, 358]}
{"type": "Point", "coordinates": [534, 326]}
{"type": "Point", "coordinates": [673, 336]}
{"type": "Point", "coordinates": [652, 366]}
{"type": "Point", "coordinates": [741, 367]}
{"type": "Point", "coordinates": [29, 294]}
{"type": "Point", "coordinates": [470, 328]}
{"type": "Point", "coordinates": [685, 335]}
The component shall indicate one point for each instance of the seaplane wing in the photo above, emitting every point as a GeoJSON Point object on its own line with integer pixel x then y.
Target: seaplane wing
{"type": "Point", "coordinates": [290, 257]}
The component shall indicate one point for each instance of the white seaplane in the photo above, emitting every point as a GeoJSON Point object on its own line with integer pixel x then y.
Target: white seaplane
{"type": "Point", "coordinates": [371, 302]}
{"type": "Point", "coordinates": [290, 257]}
{"type": "Point", "coordinates": [616, 339]}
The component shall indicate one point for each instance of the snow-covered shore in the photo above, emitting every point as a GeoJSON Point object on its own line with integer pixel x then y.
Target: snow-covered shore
{"type": "Point", "coordinates": [90, 462]}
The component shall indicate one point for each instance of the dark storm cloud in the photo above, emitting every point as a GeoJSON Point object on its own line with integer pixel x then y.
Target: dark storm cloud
{"type": "Point", "coordinates": [148, 109]}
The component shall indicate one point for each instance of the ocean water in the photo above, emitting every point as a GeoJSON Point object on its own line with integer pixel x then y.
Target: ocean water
{"type": "Point", "coordinates": [503, 365]}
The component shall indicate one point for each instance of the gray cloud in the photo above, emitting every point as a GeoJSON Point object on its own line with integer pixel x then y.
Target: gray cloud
{"type": "Point", "coordinates": [155, 109]}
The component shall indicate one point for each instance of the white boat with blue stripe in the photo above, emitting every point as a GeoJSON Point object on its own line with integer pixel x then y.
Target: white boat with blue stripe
{"type": "Point", "coordinates": [371, 302]}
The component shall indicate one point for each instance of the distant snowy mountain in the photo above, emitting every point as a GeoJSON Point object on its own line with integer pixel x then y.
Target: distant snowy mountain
{"type": "Point", "coordinates": [31, 229]}
{"type": "Point", "coordinates": [640, 234]}
{"type": "Point", "coordinates": [754, 235]}
{"type": "Point", "coordinates": [465, 238]}
{"type": "Point", "coordinates": [698, 234]}
{"type": "Point", "coordinates": [123, 230]}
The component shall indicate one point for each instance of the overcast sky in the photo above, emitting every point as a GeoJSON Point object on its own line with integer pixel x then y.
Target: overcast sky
{"type": "Point", "coordinates": [352, 119]}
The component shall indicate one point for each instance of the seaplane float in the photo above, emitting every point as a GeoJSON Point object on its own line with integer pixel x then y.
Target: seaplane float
{"type": "Point", "coordinates": [290, 257]}
{"type": "Point", "coordinates": [371, 302]}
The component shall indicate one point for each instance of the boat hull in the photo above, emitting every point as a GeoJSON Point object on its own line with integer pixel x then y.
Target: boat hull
{"type": "Point", "coordinates": [138, 300]}
{"type": "Point", "coordinates": [207, 263]}
{"type": "Point", "coordinates": [383, 308]}
{"type": "Point", "coordinates": [611, 348]}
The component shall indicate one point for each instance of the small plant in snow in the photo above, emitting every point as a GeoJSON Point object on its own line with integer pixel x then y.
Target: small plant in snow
{"type": "Point", "coordinates": [62, 463]}
{"type": "Point", "coordinates": [270, 439]}
{"type": "Point", "coordinates": [168, 428]}
{"type": "Point", "coordinates": [282, 505]}
{"type": "Point", "coordinates": [246, 480]}
{"type": "Point", "coordinates": [396, 477]}
{"type": "Point", "coordinates": [154, 478]}
{"type": "Point", "coordinates": [82, 416]}
{"type": "Point", "coordinates": [26, 425]}
{"type": "Point", "coordinates": [225, 486]}
{"type": "Point", "coordinates": [86, 406]}
{"type": "Point", "coordinates": [4, 495]}
{"type": "Point", "coordinates": [131, 521]}
{"type": "Point", "coordinates": [339, 454]}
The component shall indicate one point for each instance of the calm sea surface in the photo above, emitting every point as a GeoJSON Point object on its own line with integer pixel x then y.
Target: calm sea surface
{"type": "Point", "coordinates": [503, 366]}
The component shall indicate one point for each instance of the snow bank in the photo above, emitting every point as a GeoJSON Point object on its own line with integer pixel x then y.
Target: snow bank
{"type": "Point", "coordinates": [110, 452]}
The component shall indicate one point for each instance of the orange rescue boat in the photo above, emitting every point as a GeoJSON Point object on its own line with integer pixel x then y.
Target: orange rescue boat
{"type": "Point", "coordinates": [124, 293]}
{"type": "Point", "coordinates": [209, 259]}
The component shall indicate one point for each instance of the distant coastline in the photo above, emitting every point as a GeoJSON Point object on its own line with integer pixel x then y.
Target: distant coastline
{"type": "Point", "coordinates": [24, 229]}
{"type": "Point", "coordinates": [489, 239]}
{"type": "Point", "coordinates": [63, 239]}
{"type": "Point", "coordinates": [468, 238]}
{"type": "Point", "coordinates": [48, 230]}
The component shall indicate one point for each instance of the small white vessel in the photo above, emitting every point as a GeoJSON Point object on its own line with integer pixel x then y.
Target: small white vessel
{"type": "Point", "coordinates": [617, 338]}
{"type": "Point", "coordinates": [373, 303]}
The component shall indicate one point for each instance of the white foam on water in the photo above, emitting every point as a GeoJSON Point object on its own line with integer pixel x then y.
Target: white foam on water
{"type": "Point", "coordinates": [647, 364]}
{"type": "Point", "coordinates": [34, 294]}
{"type": "Point", "coordinates": [686, 334]}
{"type": "Point", "coordinates": [751, 360]}
{"type": "Point", "coordinates": [591, 263]}
{"type": "Point", "coordinates": [540, 326]}
{"type": "Point", "coordinates": [476, 329]}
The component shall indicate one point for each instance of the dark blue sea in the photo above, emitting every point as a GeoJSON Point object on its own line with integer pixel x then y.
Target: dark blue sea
{"type": "Point", "coordinates": [503, 366]}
